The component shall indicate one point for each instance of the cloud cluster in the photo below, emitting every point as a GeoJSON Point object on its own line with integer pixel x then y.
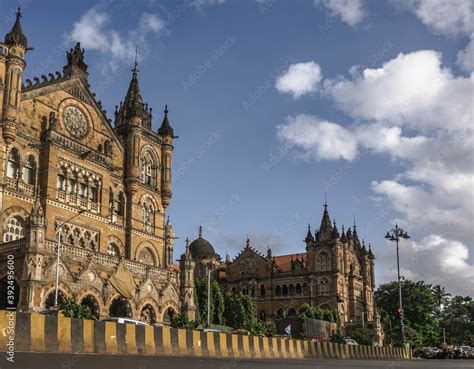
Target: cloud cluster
{"type": "Point", "coordinates": [94, 32]}
{"type": "Point", "coordinates": [419, 113]}
{"type": "Point", "coordinates": [350, 11]}
{"type": "Point", "coordinates": [299, 79]}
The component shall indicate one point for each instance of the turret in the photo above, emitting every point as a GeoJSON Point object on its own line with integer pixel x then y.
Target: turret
{"type": "Point", "coordinates": [187, 266]}
{"type": "Point", "coordinates": [167, 134]}
{"type": "Point", "coordinates": [12, 66]}
{"type": "Point", "coordinates": [32, 276]}
{"type": "Point", "coordinates": [169, 243]}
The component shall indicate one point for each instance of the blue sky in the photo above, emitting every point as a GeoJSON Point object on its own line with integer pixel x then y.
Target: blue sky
{"type": "Point", "coordinates": [277, 102]}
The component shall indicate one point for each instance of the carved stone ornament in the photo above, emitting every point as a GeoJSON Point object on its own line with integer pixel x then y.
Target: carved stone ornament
{"type": "Point", "coordinates": [75, 122]}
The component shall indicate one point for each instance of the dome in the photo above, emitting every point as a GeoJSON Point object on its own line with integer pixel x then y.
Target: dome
{"type": "Point", "coordinates": [201, 248]}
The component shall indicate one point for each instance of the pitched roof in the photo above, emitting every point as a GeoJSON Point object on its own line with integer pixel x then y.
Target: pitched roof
{"type": "Point", "coordinates": [283, 262]}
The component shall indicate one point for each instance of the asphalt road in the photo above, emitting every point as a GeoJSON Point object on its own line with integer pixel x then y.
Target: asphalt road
{"type": "Point", "coordinates": [91, 361]}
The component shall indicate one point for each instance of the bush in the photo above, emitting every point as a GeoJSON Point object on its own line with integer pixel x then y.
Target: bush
{"type": "Point", "coordinates": [182, 321]}
{"type": "Point", "coordinates": [71, 309]}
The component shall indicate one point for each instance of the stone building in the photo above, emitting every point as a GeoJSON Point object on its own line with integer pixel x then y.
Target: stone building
{"type": "Point", "coordinates": [335, 272]}
{"type": "Point", "coordinates": [103, 188]}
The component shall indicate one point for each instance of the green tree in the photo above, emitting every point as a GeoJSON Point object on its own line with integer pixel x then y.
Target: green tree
{"type": "Point", "coordinates": [234, 311]}
{"type": "Point", "coordinates": [217, 302]}
{"type": "Point", "coordinates": [458, 320]}
{"type": "Point", "coordinates": [419, 306]}
{"type": "Point", "coordinates": [248, 309]}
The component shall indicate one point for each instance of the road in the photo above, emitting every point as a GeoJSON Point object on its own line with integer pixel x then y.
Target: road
{"type": "Point", "coordinates": [92, 361]}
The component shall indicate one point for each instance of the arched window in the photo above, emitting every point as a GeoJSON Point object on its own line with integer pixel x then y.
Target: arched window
{"type": "Point", "coordinates": [94, 192]}
{"type": "Point", "coordinates": [306, 288]}
{"type": "Point", "coordinates": [252, 292]}
{"type": "Point", "coordinates": [111, 201]}
{"type": "Point", "coordinates": [262, 290]}
{"type": "Point", "coordinates": [83, 188]}
{"type": "Point", "coordinates": [73, 184]}
{"type": "Point", "coordinates": [61, 183]}
{"type": "Point", "coordinates": [13, 165]}
{"type": "Point", "coordinates": [292, 289]}
{"type": "Point", "coordinates": [323, 287]}
{"type": "Point", "coordinates": [263, 316]}
{"type": "Point", "coordinates": [285, 290]}
{"type": "Point", "coordinates": [119, 204]}
{"type": "Point", "coordinates": [15, 229]}
{"type": "Point", "coordinates": [147, 169]}
{"type": "Point", "coordinates": [148, 216]}
{"type": "Point", "coordinates": [113, 250]}
{"type": "Point", "coordinates": [291, 312]}
{"type": "Point", "coordinates": [298, 288]}
{"type": "Point", "coordinates": [280, 313]}
{"type": "Point", "coordinates": [29, 170]}
{"type": "Point", "coordinates": [323, 262]}
{"type": "Point", "coordinates": [278, 291]}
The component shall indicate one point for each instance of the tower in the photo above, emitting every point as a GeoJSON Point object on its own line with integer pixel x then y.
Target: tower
{"type": "Point", "coordinates": [12, 65]}
{"type": "Point", "coordinates": [32, 276]}
{"type": "Point", "coordinates": [187, 266]}
{"type": "Point", "coordinates": [167, 134]}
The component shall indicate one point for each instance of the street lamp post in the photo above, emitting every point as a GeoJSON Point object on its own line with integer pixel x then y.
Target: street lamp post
{"type": "Point", "coordinates": [395, 235]}
{"type": "Point", "coordinates": [58, 254]}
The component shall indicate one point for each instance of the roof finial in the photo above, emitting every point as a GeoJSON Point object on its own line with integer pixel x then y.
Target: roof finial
{"type": "Point", "coordinates": [200, 232]}
{"type": "Point", "coordinates": [135, 70]}
{"type": "Point", "coordinates": [325, 200]}
{"type": "Point", "coordinates": [354, 221]}
{"type": "Point", "coordinates": [187, 242]}
{"type": "Point", "coordinates": [166, 110]}
{"type": "Point", "coordinates": [18, 13]}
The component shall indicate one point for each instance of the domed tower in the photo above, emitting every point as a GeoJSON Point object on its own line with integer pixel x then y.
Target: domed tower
{"type": "Point", "coordinates": [204, 255]}
{"type": "Point", "coordinates": [12, 65]}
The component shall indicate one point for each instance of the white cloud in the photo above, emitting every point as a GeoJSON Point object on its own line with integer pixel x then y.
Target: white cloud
{"type": "Point", "coordinates": [419, 113]}
{"type": "Point", "coordinates": [435, 259]}
{"type": "Point", "coordinates": [202, 3]}
{"type": "Point", "coordinates": [318, 138]}
{"type": "Point", "coordinates": [350, 11]}
{"type": "Point", "coordinates": [447, 17]}
{"type": "Point", "coordinates": [466, 57]}
{"type": "Point", "coordinates": [412, 89]}
{"type": "Point", "coordinates": [94, 32]}
{"type": "Point", "coordinates": [300, 79]}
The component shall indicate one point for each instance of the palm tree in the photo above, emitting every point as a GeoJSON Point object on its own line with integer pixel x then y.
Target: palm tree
{"type": "Point", "coordinates": [440, 296]}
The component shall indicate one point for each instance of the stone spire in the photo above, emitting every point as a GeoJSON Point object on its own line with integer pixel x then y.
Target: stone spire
{"type": "Point", "coordinates": [133, 105]}
{"type": "Point", "coordinates": [166, 129]}
{"type": "Point", "coordinates": [325, 229]}
{"type": "Point", "coordinates": [16, 35]}
{"type": "Point", "coordinates": [371, 255]}
{"type": "Point", "coordinates": [335, 232]}
{"type": "Point", "coordinates": [309, 237]}
{"type": "Point", "coordinates": [343, 235]}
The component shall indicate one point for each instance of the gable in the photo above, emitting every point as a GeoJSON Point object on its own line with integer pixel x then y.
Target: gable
{"type": "Point", "coordinates": [72, 103]}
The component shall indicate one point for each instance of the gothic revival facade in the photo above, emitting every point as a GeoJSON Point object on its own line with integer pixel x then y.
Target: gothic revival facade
{"type": "Point", "coordinates": [335, 272]}
{"type": "Point", "coordinates": [67, 173]}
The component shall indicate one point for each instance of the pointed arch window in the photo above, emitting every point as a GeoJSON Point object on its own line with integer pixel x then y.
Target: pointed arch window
{"type": "Point", "coordinates": [61, 182]}
{"type": "Point", "coordinates": [13, 165]}
{"type": "Point", "coordinates": [73, 185]}
{"type": "Point", "coordinates": [148, 216]}
{"type": "Point", "coordinates": [94, 192]}
{"type": "Point", "coordinates": [147, 170]}
{"type": "Point", "coordinates": [29, 170]}
{"type": "Point", "coordinates": [323, 286]}
{"type": "Point", "coordinates": [323, 262]}
{"type": "Point", "coordinates": [113, 250]}
{"type": "Point", "coordinates": [119, 204]}
{"type": "Point", "coordinates": [15, 229]}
